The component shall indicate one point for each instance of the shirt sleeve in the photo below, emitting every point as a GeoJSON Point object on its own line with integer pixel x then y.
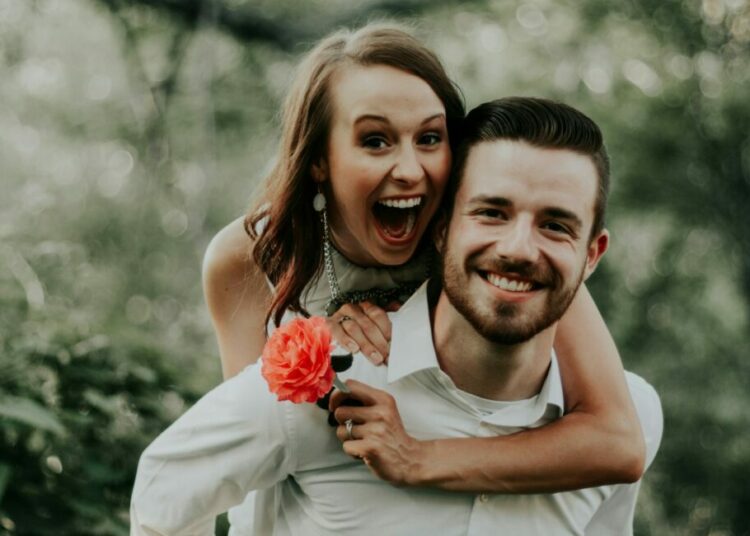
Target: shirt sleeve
{"type": "Point", "coordinates": [235, 439]}
{"type": "Point", "coordinates": [615, 515]}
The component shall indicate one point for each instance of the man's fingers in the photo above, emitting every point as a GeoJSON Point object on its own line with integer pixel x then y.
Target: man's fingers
{"type": "Point", "coordinates": [359, 391]}
{"type": "Point", "coordinates": [358, 448]}
{"type": "Point", "coordinates": [358, 414]}
{"type": "Point", "coordinates": [367, 394]}
{"type": "Point", "coordinates": [343, 432]}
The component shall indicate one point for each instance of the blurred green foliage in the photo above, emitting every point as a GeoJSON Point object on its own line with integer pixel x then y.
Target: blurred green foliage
{"type": "Point", "coordinates": [131, 131]}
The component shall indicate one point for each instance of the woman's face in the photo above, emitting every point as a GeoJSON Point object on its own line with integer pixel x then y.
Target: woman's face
{"type": "Point", "coordinates": [387, 165]}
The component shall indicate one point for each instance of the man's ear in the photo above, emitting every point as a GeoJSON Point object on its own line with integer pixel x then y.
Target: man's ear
{"type": "Point", "coordinates": [439, 230]}
{"type": "Point", "coordinates": [597, 248]}
{"type": "Point", "coordinates": [319, 170]}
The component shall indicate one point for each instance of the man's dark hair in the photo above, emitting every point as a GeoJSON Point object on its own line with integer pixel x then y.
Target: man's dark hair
{"type": "Point", "coordinates": [541, 123]}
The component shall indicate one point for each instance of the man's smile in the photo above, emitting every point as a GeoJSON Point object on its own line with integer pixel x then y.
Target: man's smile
{"type": "Point", "coordinates": [509, 282]}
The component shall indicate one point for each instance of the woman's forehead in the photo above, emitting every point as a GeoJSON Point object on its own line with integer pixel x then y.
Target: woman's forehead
{"type": "Point", "coordinates": [382, 91]}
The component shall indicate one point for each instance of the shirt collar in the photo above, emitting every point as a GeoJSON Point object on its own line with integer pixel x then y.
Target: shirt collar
{"type": "Point", "coordinates": [412, 350]}
{"type": "Point", "coordinates": [553, 386]}
{"type": "Point", "coordinates": [548, 404]}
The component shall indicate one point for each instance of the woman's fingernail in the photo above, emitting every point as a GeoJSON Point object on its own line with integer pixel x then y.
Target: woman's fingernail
{"type": "Point", "coordinates": [376, 357]}
{"type": "Point", "coordinates": [353, 348]}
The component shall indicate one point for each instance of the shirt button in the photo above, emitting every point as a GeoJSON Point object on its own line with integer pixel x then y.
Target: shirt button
{"type": "Point", "coordinates": [484, 498]}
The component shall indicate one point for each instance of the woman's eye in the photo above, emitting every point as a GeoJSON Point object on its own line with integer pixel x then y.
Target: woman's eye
{"type": "Point", "coordinates": [431, 138]}
{"type": "Point", "coordinates": [374, 142]}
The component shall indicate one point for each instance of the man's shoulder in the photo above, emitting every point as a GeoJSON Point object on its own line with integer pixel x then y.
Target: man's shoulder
{"type": "Point", "coordinates": [648, 406]}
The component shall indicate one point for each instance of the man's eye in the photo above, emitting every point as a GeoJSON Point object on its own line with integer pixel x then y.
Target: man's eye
{"type": "Point", "coordinates": [374, 142]}
{"type": "Point", "coordinates": [492, 213]}
{"type": "Point", "coordinates": [556, 227]}
{"type": "Point", "coordinates": [431, 138]}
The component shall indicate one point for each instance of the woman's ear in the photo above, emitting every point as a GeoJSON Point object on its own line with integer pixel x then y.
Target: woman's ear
{"type": "Point", "coordinates": [319, 171]}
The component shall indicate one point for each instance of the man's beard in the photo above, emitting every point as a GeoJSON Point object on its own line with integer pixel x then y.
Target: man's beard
{"type": "Point", "coordinates": [504, 324]}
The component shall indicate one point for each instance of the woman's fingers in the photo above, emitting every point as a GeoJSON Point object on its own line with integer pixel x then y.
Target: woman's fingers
{"type": "Point", "coordinates": [379, 317]}
{"type": "Point", "coordinates": [364, 326]}
{"type": "Point", "coordinates": [338, 333]}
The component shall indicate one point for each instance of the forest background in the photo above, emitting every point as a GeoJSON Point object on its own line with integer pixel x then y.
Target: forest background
{"type": "Point", "coordinates": [131, 131]}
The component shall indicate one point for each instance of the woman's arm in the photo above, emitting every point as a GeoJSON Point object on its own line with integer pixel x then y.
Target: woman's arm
{"type": "Point", "coordinates": [237, 295]}
{"type": "Point", "coordinates": [599, 441]}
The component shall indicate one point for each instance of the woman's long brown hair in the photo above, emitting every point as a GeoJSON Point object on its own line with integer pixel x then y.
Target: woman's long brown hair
{"type": "Point", "coordinates": [288, 244]}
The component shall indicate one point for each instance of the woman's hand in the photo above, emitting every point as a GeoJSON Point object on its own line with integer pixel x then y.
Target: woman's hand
{"type": "Point", "coordinates": [362, 327]}
{"type": "Point", "coordinates": [376, 435]}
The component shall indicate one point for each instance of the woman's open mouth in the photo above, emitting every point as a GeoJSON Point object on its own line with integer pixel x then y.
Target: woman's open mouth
{"type": "Point", "coordinates": [396, 217]}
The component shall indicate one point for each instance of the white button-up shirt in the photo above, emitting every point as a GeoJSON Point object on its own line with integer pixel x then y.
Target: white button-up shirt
{"type": "Point", "coordinates": [239, 437]}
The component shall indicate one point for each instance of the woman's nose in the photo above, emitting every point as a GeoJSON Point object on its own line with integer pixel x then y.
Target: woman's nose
{"type": "Point", "coordinates": [407, 170]}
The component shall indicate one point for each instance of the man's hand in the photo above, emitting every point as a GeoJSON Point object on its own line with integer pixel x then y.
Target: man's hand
{"type": "Point", "coordinates": [376, 434]}
{"type": "Point", "coordinates": [362, 327]}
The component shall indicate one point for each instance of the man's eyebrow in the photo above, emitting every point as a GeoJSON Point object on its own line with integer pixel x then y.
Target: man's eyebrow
{"type": "Point", "coordinates": [563, 214]}
{"type": "Point", "coordinates": [493, 200]}
{"type": "Point", "coordinates": [383, 119]}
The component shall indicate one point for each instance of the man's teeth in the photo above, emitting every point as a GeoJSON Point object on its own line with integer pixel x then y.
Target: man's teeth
{"type": "Point", "coordinates": [401, 203]}
{"type": "Point", "coordinates": [509, 284]}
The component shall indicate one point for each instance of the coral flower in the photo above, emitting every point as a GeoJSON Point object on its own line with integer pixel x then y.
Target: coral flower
{"type": "Point", "coordinates": [297, 360]}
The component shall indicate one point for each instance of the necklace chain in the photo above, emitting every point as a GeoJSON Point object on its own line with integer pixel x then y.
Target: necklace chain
{"type": "Point", "coordinates": [381, 297]}
{"type": "Point", "coordinates": [333, 283]}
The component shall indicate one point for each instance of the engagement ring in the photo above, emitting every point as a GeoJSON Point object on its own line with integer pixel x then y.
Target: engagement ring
{"type": "Point", "coordinates": [349, 425]}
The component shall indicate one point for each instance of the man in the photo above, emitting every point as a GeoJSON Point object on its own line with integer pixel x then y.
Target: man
{"type": "Point", "coordinates": [470, 358]}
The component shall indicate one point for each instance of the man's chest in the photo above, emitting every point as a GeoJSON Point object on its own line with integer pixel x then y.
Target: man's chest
{"type": "Point", "coordinates": [333, 492]}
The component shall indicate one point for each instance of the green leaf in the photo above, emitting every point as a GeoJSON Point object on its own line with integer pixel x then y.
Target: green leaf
{"type": "Point", "coordinates": [29, 412]}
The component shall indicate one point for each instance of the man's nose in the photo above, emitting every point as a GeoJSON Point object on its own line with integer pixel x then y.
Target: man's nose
{"type": "Point", "coordinates": [407, 170]}
{"type": "Point", "coordinates": [517, 243]}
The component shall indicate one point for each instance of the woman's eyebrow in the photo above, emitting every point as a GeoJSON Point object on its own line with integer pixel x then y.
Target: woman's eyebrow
{"type": "Point", "coordinates": [383, 119]}
{"type": "Point", "coordinates": [439, 115]}
{"type": "Point", "coordinates": [371, 117]}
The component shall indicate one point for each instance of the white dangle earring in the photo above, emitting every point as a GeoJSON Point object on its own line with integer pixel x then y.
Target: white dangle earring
{"type": "Point", "coordinates": [319, 201]}
{"type": "Point", "coordinates": [319, 205]}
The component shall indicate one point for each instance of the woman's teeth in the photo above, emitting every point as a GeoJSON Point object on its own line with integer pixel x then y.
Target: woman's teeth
{"type": "Point", "coordinates": [511, 285]}
{"type": "Point", "coordinates": [401, 203]}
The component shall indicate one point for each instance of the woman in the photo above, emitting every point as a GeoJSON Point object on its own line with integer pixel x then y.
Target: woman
{"type": "Point", "coordinates": [364, 159]}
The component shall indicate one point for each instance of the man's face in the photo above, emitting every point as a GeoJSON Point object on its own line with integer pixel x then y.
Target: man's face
{"type": "Point", "coordinates": [517, 246]}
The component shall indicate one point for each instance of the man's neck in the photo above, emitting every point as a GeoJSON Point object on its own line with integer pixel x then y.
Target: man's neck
{"type": "Point", "coordinates": [485, 368]}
